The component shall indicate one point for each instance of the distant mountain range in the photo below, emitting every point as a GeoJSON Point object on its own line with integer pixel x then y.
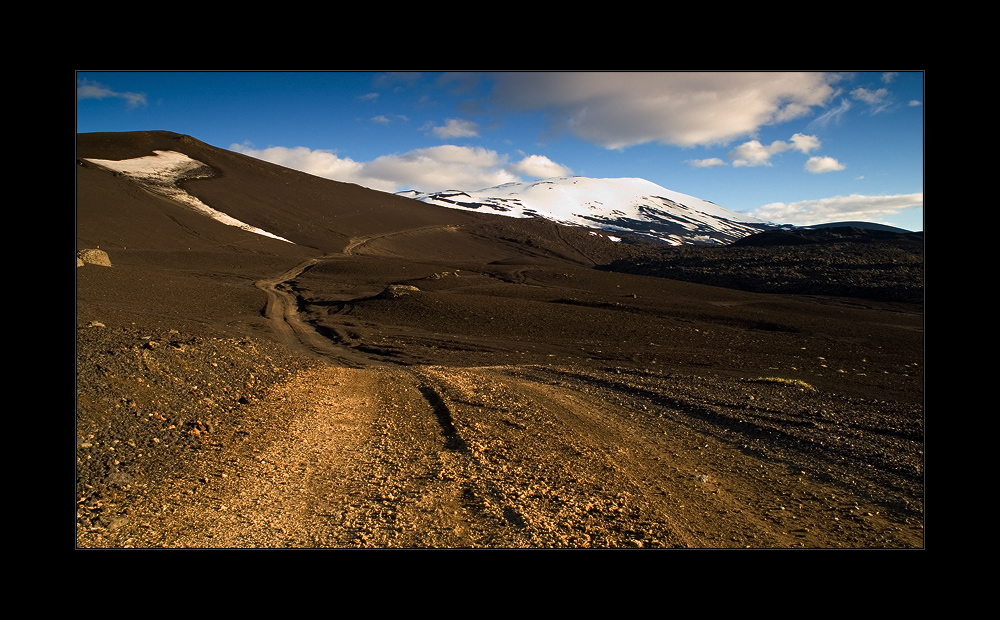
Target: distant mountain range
{"type": "Point", "coordinates": [616, 206]}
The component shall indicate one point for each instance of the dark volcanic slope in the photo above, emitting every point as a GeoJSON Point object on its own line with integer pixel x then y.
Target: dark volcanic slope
{"type": "Point", "coordinates": [407, 375]}
{"type": "Point", "coordinates": [310, 211]}
{"type": "Point", "coordinates": [170, 259]}
{"type": "Point", "coordinates": [842, 261]}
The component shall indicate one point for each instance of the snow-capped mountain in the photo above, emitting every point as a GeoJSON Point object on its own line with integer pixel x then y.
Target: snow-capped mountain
{"type": "Point", "coordinates": [625, 205]}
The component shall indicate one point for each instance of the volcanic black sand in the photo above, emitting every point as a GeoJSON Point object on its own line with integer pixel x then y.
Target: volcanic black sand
{"type": "Point", "coordinates": [411, 376]}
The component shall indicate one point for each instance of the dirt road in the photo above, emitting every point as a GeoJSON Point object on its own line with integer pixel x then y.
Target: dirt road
{"type": "Point", "coordinates": [509, 457]}
{"type": "Point", "coordinates": [355, 451]}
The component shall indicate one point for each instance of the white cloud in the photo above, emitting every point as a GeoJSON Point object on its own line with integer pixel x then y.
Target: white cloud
{"type": "Point", "coordinates": [753, 153]}
{"type": "Point", "coordinates": [87, 89]}
{"type": "Point", "coordinates": [823, 164]}
{"type": "Point", "coordinates": [833, 115]}
{"type": "Point", "coordinates": [877, 100]}
{"type": "Point", "coordinates": [620, 109]}
{"type": "Point", "coordinates": [321, 163]}
{"type": "Point", "coordinates": [430, 169]}
{"type": "Point", "coordinates": [442, 167]}
{"type": "Point", "coordinates": [871, 97]}
{"type": "Point", "coordinates": [711, 162]}
{"type": "Point", "coordinates": [540, 167]}
{"type": "Point", "coordinates": [456, 128]}
{"type": "Point", "coordinates": [803, 143]}
{"type": "Point", "coordinates": [855, 207]}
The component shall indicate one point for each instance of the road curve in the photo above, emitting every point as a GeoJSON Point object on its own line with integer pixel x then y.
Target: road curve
{"type": "Point", "coordinates": [281, 310]}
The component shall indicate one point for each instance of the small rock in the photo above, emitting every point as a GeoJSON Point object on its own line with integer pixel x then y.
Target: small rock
{"type": "Point", "coordinates": [397, 290]}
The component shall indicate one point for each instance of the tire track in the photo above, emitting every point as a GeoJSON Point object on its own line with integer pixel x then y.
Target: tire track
{"type": "Point", "coordinates": [558, 468]}
{"type": "Point", "coordinates": [282, 311]}
{"type": "Point", "coordinates": [282, 308]}
{"type": "Point", "coordinates": [351, 249]}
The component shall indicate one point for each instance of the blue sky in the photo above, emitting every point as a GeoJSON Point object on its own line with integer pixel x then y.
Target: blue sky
{"type": "Point", "coordinates": [790, 147]}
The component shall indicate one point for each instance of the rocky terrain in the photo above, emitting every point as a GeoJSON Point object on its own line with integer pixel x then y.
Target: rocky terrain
{"type": "Point", "coordinates": [403, 375]}
{"type": "Point", "coordinates": [843, 262]}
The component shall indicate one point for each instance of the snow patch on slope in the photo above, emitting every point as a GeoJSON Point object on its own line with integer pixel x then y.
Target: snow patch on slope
{"type": "Point", "coordinates": [161, 172]}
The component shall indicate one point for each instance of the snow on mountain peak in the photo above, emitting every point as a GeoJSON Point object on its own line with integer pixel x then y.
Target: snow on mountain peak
{"type": "Point", "coordinates": [622, 205]}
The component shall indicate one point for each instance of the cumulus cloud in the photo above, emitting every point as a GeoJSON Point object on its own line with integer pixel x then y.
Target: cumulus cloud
{"type": "Point", "coordinates": [620, 109]}
{"type": "Point", "coordinates": [429, 169]}
{"type": "Point", "coordinates": [442, 167]}
{"type": "Point", "coordinates": [753, 153]}
{"type": "Point", "coordinates": [455, 128]}
{"type": "Point", "coordinates": [823, 164]}
{"type": "Point", "coordinates": [539, 167]}
{"type": "Point", "coordinates": [88, 89]}
{"type": "Point", "coordinates": [804, 143]}
{"type": "Point", "coordinates": [321, 163]}
{"type": "Point", "coordinates": [855, 207]}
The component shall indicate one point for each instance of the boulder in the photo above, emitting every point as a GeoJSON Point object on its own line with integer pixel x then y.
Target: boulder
{"type": "Point", "coordinates": [92, 257]}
